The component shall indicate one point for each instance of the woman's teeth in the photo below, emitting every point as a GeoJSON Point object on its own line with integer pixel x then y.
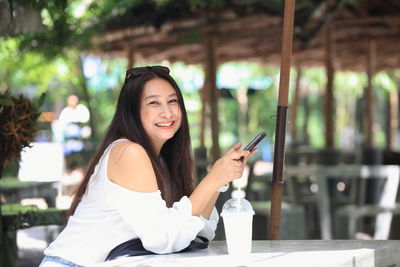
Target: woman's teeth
{"type": "Point", "coordinates": [164, 124]}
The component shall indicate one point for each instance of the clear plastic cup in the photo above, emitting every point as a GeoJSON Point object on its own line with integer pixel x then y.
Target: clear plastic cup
{"type": "Point", "coordinates": [237, 214]}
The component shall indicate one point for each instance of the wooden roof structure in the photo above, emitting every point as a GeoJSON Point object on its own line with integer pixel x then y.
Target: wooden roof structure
{"type": "Point", "coordinates": [253, 32]}
{"type": "Point", "coordinates": [358, 35]}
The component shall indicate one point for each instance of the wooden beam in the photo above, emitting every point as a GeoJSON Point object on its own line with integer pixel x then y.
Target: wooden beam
{"type": "Point", "coordinates": [129, 56]}
{"type": "Point", "coordinates": [329, 110]}
{"type": "Point", "coordinates": [307, 38]}
{"type": "Point", "coordinates": [204, 104]}
{"type": "Point", "coordinates": [368, 94]}
{"type": "Point", "coordinates": [211, 77]}
{"type": "Point", "coordinates": [307, 111]}
{"type": "Point", "coordinates": [293, 107]}
{"type": "Point", "coordinates": [393, 120]}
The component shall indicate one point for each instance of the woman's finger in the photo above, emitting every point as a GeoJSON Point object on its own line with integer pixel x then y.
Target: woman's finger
{"type": "Point", "coordinates": [235, 147]}
{"type": "Point", "coordinates": [237, 155]}
{"type": "Point", "coordinates": [245, 159]}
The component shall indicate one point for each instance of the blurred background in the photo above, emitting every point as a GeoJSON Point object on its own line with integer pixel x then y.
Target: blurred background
{"type": "Point", "coordinates": [63, 64]}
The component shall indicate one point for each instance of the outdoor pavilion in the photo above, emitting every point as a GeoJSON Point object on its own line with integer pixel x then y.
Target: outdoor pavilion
{"type": "Point", "coordinates": [362, 36]}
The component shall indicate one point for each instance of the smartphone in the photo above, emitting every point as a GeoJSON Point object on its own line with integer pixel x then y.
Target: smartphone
{"type": "Point", "coordinates": [255, 141]}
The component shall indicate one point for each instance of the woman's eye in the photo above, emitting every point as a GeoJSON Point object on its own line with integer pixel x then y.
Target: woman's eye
{"type": "Point", "coordinates": [153, 103]}
{"type": "Point", "coordinates": [173, 101]}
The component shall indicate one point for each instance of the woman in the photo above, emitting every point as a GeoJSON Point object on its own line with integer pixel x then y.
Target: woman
{"type": "Point", "coordinates": [139, 184]}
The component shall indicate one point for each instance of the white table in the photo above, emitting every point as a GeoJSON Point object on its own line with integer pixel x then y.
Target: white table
{"type": "Point", "coordinates": [299, 253]}
{"type": "Point", "coordinates": [322, 173]}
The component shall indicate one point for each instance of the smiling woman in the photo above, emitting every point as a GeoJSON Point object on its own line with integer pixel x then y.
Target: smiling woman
{"type": "Point", "coordinates": [160, 111]}
{"type": "Point", "coordinates": [138, 196]}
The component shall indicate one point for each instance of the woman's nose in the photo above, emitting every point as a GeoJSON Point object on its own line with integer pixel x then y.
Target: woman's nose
{"type": "Point", "coordinates": [166, 112]}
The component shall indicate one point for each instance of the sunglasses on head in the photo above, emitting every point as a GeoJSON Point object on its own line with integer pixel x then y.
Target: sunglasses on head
{"type": "Point", "coordinates": [139, 71]}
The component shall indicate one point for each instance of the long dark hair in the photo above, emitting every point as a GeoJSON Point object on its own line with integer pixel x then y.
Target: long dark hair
{"type": "Point", "coordinates": [126, 123]}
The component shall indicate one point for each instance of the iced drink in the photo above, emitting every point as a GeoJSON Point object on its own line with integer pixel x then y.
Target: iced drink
{"type": "Point", "coordinates": [237, 215]}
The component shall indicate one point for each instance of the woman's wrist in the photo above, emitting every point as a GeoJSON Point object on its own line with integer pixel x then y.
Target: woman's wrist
{"type": "Point", "coordinates": [212, 182]}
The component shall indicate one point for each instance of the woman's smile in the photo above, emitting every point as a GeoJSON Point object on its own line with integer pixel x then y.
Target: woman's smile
{"type": "Point", "coordinates": [165, 125]}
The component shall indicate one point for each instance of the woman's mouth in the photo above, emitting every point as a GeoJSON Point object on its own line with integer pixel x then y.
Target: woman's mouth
{"type": "Point", "coordinates": [165, 125]}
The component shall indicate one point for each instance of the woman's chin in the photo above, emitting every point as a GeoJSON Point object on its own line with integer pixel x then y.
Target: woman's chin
{"type": "Point", "coordinates": [165, 137]}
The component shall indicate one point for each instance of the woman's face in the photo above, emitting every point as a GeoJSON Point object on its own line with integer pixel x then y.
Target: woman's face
{"type": "Point", "coordinates": [160, 113]}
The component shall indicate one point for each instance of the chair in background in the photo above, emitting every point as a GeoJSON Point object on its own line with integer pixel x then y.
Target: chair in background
{"type": "Point", "coordinates": [382, 212]}
{"type": "Point", "coordinates": [258, 192]}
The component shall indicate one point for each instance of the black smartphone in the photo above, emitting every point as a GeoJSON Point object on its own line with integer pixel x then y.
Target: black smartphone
{"type": "Point", "coordinates": [255, 141]}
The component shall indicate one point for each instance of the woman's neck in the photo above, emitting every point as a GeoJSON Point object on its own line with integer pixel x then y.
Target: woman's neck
{"type": "Point", "coordinates": [157, 148]}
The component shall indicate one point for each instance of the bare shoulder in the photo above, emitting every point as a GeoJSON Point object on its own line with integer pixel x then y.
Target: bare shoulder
{"type": "Point", "coordinates": [129, 166]}
{"type": "Point", "coordinates": [126, 150]}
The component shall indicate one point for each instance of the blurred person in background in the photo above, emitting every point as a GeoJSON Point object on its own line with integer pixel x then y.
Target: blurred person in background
{"type": "Point", "coordinates": [74, 112]}
{"type": "Point", "coordinates": [72, 131]}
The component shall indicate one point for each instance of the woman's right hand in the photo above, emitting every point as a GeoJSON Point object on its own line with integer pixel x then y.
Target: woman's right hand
{"type": "Point", "coordinates": [227, 168]}
{"type": "Point", "coordinates": [231, 165]}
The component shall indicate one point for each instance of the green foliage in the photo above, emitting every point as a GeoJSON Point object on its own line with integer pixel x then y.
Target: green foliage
{"type": "Point", "coordinates": [352, 2]}
{"type": "Point", "coordinates": [56, 19]}
{"type": "Point", "coordinates": [13, 182]}
{"type": "Point", "coordinates": [17, 216]}
{"type": "Point", "coordinates": [13, 208]}
{"type": "Point", "coordinates": [385, 82]}
{"type": "Point", "coordinates": [31, 69]}
{"type": "Point", "coordinates": [229, 123]}
{"type": "Point", "coordinates": [349, 84]}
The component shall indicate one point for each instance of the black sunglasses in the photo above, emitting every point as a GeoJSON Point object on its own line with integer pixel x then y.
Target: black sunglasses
{"type": "Point", "coordinates": [139, 71]}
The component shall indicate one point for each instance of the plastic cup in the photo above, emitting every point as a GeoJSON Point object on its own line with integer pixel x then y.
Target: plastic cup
{"type": "Point", "coordinates": [237, 215]}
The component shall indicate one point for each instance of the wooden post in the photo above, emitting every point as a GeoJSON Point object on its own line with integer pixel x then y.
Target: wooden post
{"type": "Point", "coordinates": [129, 56]}
{"type": "Point", "coordinates": [293, 108]}
{"type": "Point", "coordinates": [306, 107]}
{"type": "Point", "coordinates": [280, 130]}
{"type": "Point", "coordinates": [211, 77]}
{"type": "Point", "coordinates": [393, 118]}
{"type": "Point", "coordinates": [329, 110]}
{"type": "Point", "coordinates": [204, 105]}
{"type": "Point", "coordinates": [368, 95]}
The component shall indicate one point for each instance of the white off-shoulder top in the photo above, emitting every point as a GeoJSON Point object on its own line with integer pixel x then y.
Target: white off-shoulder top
{"type": "Point", "coordinates": [109, 215]}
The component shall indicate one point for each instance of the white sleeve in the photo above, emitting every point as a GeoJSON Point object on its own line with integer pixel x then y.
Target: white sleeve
{"type": "Point", "coordinates": [210, 225]}
{"type": "Point", "coordinates": [161, 229]}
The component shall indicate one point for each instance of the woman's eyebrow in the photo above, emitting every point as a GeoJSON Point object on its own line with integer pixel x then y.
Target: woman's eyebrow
{"type": "Point", "coordinates": [158, 96]}
{"type": "Point", "coordinates": [152, 96]}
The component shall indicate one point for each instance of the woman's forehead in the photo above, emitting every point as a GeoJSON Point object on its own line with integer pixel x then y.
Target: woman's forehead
{"type": "Point", "coordinates": [158, 87]}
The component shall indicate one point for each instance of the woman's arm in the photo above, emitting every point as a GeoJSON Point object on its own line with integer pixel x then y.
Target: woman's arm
{"type": "Point", "coordinates": [134, 194]}
{"type": "Point", "coordinates": [210, 205]}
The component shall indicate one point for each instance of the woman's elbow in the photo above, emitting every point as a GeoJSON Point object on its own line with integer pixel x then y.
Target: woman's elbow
{"type": "Point", "coordinates": [164, 244]}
